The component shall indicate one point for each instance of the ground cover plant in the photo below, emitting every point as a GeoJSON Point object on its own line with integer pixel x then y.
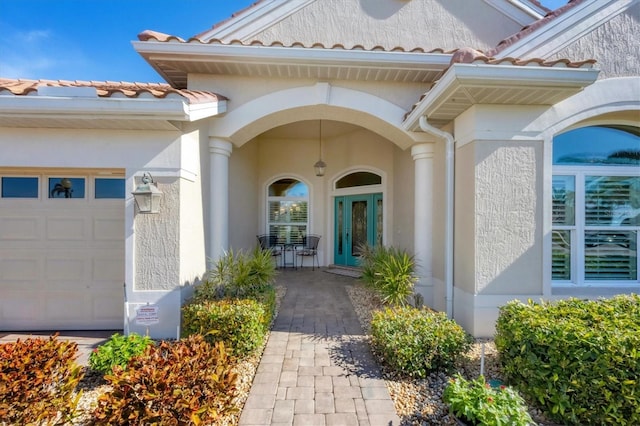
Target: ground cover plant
{"type": "Point", "coordinates": [173, 383]}
{"type": "Point", "coordinates": [38, 378]}
{"type": "Point", "coordinates": [478, 403]}
{"type": "Point", "coordinates": [579, 359]}
{"type": "Point", "coordinates": [118, 350]}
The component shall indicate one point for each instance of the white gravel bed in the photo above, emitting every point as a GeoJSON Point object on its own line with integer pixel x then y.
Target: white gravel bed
{"type": "Point", "coordinates": [419, 401]}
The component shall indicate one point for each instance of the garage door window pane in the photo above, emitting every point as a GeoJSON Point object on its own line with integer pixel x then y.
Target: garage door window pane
{"type": "Point", "coordinates": [66, 187]}
{"type": "Point", "coordinates": [19, 187]}
{"type": "Point", "coordinates": [110, 188]}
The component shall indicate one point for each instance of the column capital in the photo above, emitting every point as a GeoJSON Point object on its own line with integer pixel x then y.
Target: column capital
{"type": "Point", "coordinates": [220, 146]}
{"type": "Point", "coordinates": [422, 151]}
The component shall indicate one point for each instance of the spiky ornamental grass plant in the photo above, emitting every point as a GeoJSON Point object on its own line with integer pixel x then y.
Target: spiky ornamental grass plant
{"type": "Point", "coordinates": [390, 272]}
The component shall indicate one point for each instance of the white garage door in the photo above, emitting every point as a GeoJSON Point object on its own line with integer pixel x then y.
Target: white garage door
{"type": "Point", "coordinates": [61, 250]}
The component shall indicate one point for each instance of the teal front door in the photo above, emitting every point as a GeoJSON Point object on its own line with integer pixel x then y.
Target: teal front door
{"type": "Point", "coordinates": [358, 220]}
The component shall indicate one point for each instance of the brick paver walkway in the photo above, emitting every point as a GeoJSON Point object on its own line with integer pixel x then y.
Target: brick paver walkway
{"type": "Point", "coordinates": [317, 368]}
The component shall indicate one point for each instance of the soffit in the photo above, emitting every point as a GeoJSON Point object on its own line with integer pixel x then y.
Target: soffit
{"type": "Point", "coordinates": [499, 83]}
{"type": "Point", "coordinates": [175, 59]}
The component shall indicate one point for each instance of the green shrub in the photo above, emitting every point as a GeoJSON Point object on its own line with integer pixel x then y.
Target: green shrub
{"type": "Point", "coordinates": [389, 271]}
{"type": "Point", "coordinates": [478, 403]}
{"type": "Point", "coordinates": [184, 382]}
{"type": "Point", "coordinates": [579, 359]}
{"type": "Point", "coordinates": [118, 350]}
{"type": "Point", "coordinates": [242, 324]}
{"type": "Point", "coordinates": [236, 304]}
{"type": "Point", "coordinates": [38, 378]}
{"type": "Point", "coordinates": [416, 342]}
{"type": "Point", "coordinates": [239, 275]}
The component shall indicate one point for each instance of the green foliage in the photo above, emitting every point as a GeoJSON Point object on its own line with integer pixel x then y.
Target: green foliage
{"type": "Point", "coordinates": [236, 304]}
{"type": "Point", "coordinates": [118, 350]}
{"type": "Point", "coordinates": [389, 271]}
{"type": "Point", "coordinates": [480, 404]}
{"type": "Point", "coordinates": [38, 378]}
{"type": "Point", "coordinates": [238, 274]}
{"type": "Point", "coordinates": [416, 342]}
{"type": "Point", "coordinates": [185, 382]}
{"type": "Point", "coordinates": [579, 359]}
{"type": "Point", "coordinates": [242, 324]}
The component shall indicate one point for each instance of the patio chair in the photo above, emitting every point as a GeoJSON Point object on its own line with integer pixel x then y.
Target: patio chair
{"type": "Point", "coordinates": [309, 249]}
{"type": "Point", "coordinates": [269, 242]}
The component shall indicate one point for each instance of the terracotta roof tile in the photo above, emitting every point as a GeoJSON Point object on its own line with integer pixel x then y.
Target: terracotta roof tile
{"type": "Point", "coordinates": [469, 56]}
{"type": "Point", "coordinates": [149, 35]}
{"type": "Point", "coordinates": [106, 89]}
{"type": "Point", "coordinates": [525, 31]}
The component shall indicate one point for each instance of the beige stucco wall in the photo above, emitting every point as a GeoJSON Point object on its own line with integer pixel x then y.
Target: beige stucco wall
{"type": "Point", "coordinates": [499, 212]}
{"type": "Point", "coordinates": [615, 45]}
{"type": "Point", "coordinates": [449, 24]}
{"type": "Point", "coordinates": [244, 198]}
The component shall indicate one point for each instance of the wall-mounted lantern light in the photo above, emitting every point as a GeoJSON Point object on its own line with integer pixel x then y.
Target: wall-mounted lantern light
{"type": "Point", "coordinates": [147, 195]}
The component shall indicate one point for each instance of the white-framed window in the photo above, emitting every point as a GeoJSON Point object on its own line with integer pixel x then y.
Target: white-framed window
{"type": "Point", "coordinates": [288, 210]}
{"type": "Point", "coordinates": [596, 206]}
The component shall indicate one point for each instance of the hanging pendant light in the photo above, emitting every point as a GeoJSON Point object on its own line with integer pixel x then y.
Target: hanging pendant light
{"type": "Point", "coordinates": [320, 165]}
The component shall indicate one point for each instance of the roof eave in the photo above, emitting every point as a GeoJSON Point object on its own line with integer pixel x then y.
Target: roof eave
{"type": "Point", "coordinates": [530, 85]}
{"type": "Point", "coordinates": [157, 52]}
{"type": "Point", "coordinates": [107, 108]}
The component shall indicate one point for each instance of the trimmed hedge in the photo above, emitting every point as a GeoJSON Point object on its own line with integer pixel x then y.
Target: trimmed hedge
{"type": "Point", "coordinates": [579, 359]}
{"type": "Point", "coordinates": [416, 342]}
{"type": "Point", "coordinates": [242, 324]}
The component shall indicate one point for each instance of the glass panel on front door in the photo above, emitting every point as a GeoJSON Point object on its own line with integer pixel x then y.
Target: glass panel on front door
{"type": "Point", "coordinates": [358, 221]}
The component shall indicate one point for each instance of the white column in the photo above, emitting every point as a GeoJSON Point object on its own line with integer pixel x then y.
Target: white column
{"type": "Point", "coordinates": [423, 219]}
{"type": "Point", "coordinates": [219, 153]}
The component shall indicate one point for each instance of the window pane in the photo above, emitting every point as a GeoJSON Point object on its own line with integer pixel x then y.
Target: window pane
{"type": "Point", "coordinates": [597, 146]}
{"type": "Point", "coordinates": [563, 200]}
{"type": "Point", "coordinates": [611, 255]}
{"type": "Point", "coordinates": [612, 200]}
{"type": "Point", "coordinates": [288, 233]}
{"type": "Point", "coordinates": [288, 211]}
{"type": "Point", "coordinates": [561, 255]}
{"type": "Point", "coordinates": [109, 188]}
{"type": "Point", "coordinates": [359, 179]}
{"type": "Point", "coordinates": [19, 187]}
{"type": "Point", "coordinates": [66, 187]}
{"type": "Point", "coordinates": [288, 188]}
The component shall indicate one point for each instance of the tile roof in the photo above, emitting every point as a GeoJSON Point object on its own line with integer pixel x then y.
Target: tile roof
{"type": "Point", "coordinates": [149, 35]}
{"type": "Point", "coordinates": [106, 89]}
{"type": "Point", "coordinates": [525, 31]}
{"type": "Point", "coordinates": [469, 56]}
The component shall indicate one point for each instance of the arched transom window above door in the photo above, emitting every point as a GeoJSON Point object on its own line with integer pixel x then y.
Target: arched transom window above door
{"type": "Point", "coordinates": [358, 179]}
{"type": "Point", "coordinates": [288, 210]}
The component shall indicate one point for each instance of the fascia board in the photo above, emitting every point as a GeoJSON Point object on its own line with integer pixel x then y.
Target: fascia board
{"type": "Point", "coordinates": [525, 75]}
{"type": "Point", "coordinates": [487, 75]}
{"type": "Point", "coordinates": [258, 18]}
{"type": "Point", "coordinates": [446, 84]}
{"type": "Point", "coordinates": [206, 110]}
{"type": "Point", "coordinates": [517, 11]}
{"type": "Point", "coordinates": [42, 106]}
{"type": "Point", "coordinates": [566, 29]}
{"type": "Point", "coordinates": [158, 51]}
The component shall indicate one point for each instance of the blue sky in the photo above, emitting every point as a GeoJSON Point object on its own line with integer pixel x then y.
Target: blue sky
{"type": "Point", "coordinates": [91, 39]}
